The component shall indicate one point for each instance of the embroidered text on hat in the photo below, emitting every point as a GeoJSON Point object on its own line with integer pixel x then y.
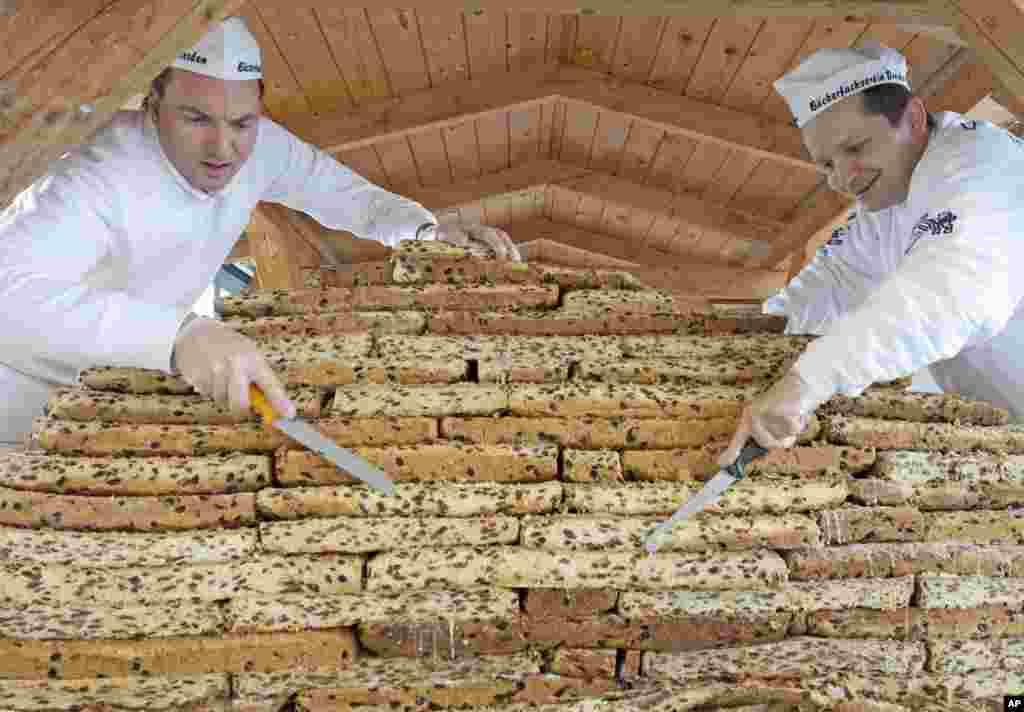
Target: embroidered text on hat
{"type": "Point", "coordinates": [228, 51]}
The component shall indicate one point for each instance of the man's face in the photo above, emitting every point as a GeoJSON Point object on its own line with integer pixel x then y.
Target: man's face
{"type": "Point", "coordinates": [208, 127]}
{"type": "Point", "coordinates": [863, 155]}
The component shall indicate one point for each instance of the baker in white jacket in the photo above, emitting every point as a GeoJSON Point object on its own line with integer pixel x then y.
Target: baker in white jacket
{"type": "Point", "coordinates": [929, 269]}
{"type": "Point", "coordinates": [102, 258]}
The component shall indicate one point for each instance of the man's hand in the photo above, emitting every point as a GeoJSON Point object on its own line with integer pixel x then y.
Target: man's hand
{"type": "Point", "coordinates": [221, 363]}
{"type": "Point", "coordinates": [493, 238]}
{"type": "Point", "coordinates": [775, 418]}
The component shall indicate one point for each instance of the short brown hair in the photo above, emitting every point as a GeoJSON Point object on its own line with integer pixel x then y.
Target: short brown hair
{"type": "Point", "coordinates": [159, 85]}
{"type": "Point", "coordinates": [890, 100]}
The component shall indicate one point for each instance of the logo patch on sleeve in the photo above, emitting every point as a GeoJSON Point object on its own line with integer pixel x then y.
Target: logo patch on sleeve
{"type": "Point", "coordinates": [943, 223]}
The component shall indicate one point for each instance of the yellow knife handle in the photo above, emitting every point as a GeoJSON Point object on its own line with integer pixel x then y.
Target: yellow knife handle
{"type": "Point", "coordinates": [259, 403]}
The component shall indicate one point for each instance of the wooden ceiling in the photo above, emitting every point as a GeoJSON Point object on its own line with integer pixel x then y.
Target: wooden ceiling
{"type": "Point", "coordinates": [652, 138]}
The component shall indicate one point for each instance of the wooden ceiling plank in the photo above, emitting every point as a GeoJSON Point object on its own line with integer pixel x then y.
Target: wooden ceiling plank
{"type": "Point", "coordinates": [350, 38]}
{"type": "Point", "coordinates": [398, 163]}
{"type": "Point", "coordinates": [98, 67]}
{"type": "Point", "coordinates": [639, 152]}
{"type": "Point", "coordinates": [726, 48]}
{"type": "Point", "coordinates": [993, 28]}
{"type": "Point", "coordinates": [639, 40]}
{"type": "Point", "coordinates": [297, 32]}
{"type": "Point", "coordinates": [770, 54]}
{"type": "Point", "coordinates": [524, 129]}
{"type": "Point", "coordinates": [673, 154]}
{"type": "Point", "coordinates": [610, 142]}
{"type": "Point", "coordinates": [679, 52]}
{"type": "Point", "coordinates": [487, 40]}
{"type": "Point", "coordinates": [827, 32]}
{"type": "Point", "coordinates": [970, 82]}
{"type": "Point", "coordinates": [545, 134]}
{"type": "Point", "coordinates": [763, 194]}
{"type": "Point", "coordinates": [492, 136]}
{"type": "Point", "coordinates": [580, 132]}
{"type": "Point", "coordinates": [698, 173]}
{"type": "Point", "coordinates": [561, 203]}
{"type": "Point", "coordinates": [731, 177]}
{"type": "Point", "coordinates": [925, 56]}
{"type": "Point", "coordinates": [444, 44]}
{"type": "Point", "coordinates": [37, 28]}
{"type": "Point", "coordinates": [596, 40]}
{"type": "Point", "coordinates": [528, 40]}
{"type": "Point", "coordinates": [562, 31]}
{"type": "Point", "coordinates": [366, 163]}
{"type": "Point", "coordinates": [891, 36]}
{"type": "Point", "coordinates": [463, 151]}
{"type": "Point", "coordinates": [283, 95]}
{"type": "Point", "coordinates": [559, 124]}
{"type": "Point", "coordinates": [818, 210]}
{"type": "Point", "coordinates": [589, 211]}
{"type": "Point", "coordinates": [397, 37]}
{"type": "Point", "coordinates": [428, 150]}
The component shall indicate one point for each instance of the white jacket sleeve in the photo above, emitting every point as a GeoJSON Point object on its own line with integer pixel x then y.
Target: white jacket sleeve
{"type": "Point", "coordinates": [835, 281]}
{"type": "Point", "coordinates": [317, 184]}
{"type": "Point", "coordinates": [53, 323]}
{"type": "Point", "coordinates": [959, 283]}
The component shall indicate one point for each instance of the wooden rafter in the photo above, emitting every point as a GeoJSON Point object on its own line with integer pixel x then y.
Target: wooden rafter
{"type": "Point", "coordinates": [995, 29]}
{"type": "Point", "coordinates": [458, 102]}
{"type": "Point", "coordinates": [54, 100]}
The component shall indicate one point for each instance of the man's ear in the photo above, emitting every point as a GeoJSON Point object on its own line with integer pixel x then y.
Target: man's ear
{"type": "Point", "coordinates": [917, 114]}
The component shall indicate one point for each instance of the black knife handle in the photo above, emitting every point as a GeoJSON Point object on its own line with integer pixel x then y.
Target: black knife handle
{"type": "Point", "coordinates": [750, 452]}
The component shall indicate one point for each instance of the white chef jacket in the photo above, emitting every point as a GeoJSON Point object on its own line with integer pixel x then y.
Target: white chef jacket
{"type": "Point", "coordinates": [101, 259]}
{"type": "Point", "coordinates": [935, 281]}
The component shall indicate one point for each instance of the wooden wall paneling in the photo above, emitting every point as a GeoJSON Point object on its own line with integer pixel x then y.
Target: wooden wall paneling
{"type": "Point", "coordinates": [732, 176]}
{"type": "Point", "coordinates": [492, 135]}
{"type": "Point", "coordinates": [487, 40]}
{"type": "Point", "coordinates": [679, 52]}
{"type": "Point", "coordinates": [36, 28]}
{"type": "Point", "coordinates": [770, 54]}
{"type": "Point", "coordinates": [579, 134]}
{"type": "Point", "coordinates": [926, 56]}
{"type": "Point", "coordinates": [398, 163]}
{"type": "Point", "coordinates": [524, 130]}
{"type": "Point", "coordinates": [298, 34]}
{"type": "Point", "coordinates": [831, 32]}
{"type": "Point", "coordinates": [366, 163]}
{"type": "Point", "coordinates": [639, 40]}
{"type": "Point", "coordinates": [431, 158]}
{"type": "Point", "coordinates": [351, 40]}
{"type": "Point", "coordinates": [596, 40]}
{"type": "Point", "coordinates": [283, 95]}
{"type": "Point", "coordinates": [463, 150]}
{"type": "Point", "coordinates": [527, 39]}
{"type": "Point", "coordinates": [610, 141]}
{"type": "Point", "coordinates": [398, 39]}
{"type": "Point", "coordinates": [639, 152]}
{"type": "Point", "coordinates": [444, 44]}
{"type": "Point", "coordinates": [108, 61]}
{"type": "Point", "coordinates": [674, 152]}
{"type": "Point", "coordinates": [705, 163]}
{"type": "Point", "coordinates": [726, 48]}
{"type": "Point", "coordinates": [560, 203]}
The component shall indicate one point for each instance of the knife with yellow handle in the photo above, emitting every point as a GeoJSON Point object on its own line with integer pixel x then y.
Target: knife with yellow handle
{"type": "Point", "coordinates": [303, 432]}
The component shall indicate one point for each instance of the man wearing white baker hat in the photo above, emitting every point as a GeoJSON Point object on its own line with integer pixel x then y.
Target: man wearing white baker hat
{"type": "Point", "coordinates": [103, 257]}
{"type": "Point", "coordinates": [924, 272]}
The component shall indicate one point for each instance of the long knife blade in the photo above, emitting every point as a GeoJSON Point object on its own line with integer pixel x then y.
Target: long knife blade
{"type": "Point", "coordinates": [708, 494]}
{"type": "Point", "coordinates": [345, 459]}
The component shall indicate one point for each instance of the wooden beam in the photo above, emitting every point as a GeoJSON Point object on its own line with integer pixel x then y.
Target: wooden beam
{"type": "Point", "coordinates": [273, 244]}
{"type": "Point", "coordinates": [458, 102]}
{"type": "Point", "coordinates": [53, 101]}
{"type": "Point", "coordinates": [994, 29]}
{"type": "Point", "coordinates": [673, 272]}
{"type": "Point", "coordinates": [817, 210]}
{"type": "Point", "coordinates": [921, 12]}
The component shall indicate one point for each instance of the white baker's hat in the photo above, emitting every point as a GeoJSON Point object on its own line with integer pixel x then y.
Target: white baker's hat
{"type": "Point", "coordinates": [228, 51]}
{"type": "Point", "coordinates": [830, 75]}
